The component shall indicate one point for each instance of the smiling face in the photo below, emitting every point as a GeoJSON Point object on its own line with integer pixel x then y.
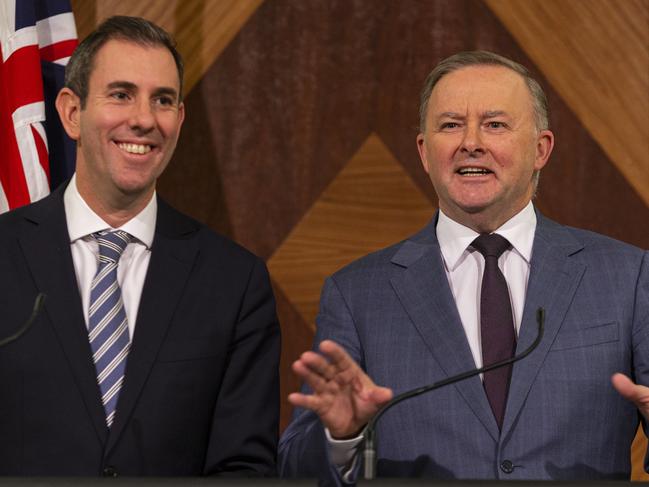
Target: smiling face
{"type": "Point", "coordinates": [128, 129]}
{"type": "Point", "coordinates": [481, 147]}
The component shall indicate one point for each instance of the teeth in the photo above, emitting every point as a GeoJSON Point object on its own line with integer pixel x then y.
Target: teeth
{"type": "Point", "coordinates": [473, 171]}
{"type": "Point", "coordinates": [135, 148]}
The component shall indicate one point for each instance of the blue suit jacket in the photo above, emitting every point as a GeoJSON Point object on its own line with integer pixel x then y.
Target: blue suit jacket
{"type": "Point", "coordinates": [201, 394]}
{"type": "Point", "coordinates": [394, 312]}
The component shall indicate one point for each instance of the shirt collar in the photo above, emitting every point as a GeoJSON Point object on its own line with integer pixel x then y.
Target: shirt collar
{"type": "Point", "coordinates": [82, 221]}
{"type": "Point", "coordinates": [454, 238]}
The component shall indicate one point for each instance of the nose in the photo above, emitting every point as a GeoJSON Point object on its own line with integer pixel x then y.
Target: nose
{"type": "Point", "coordinates": [472, 140]}
{"type": "Point", "coordinates": [142, 118]}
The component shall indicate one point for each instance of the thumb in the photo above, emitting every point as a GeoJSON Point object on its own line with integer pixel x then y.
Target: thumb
{"type": "Point", "coordinates": [627, 388]}
{"type": "Point", "coordinates": [380, 395]}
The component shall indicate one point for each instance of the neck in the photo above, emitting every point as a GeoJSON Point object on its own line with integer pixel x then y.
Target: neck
{"type": "Point", "coordinates": [116, 210]}
{"type": "Point", "coordinates": [484, 221]}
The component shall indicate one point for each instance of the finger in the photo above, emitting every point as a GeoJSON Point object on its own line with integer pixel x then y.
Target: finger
{"type": "Point", "coordinates": [380, 395]}
{"type": "Point", "coordinates": [318, 364]}
{"type": "Point", "coordinates": [339, 358]}
{"type": "Point", "coordinates": [297, 399]}
{"type": "Point", "coordinates": [633, 392]}
{"type": "Point", "coordinates": [376, 395]}
{"type": "Point", "coordinates": [307, 401]}
{"type": "Point", "coordinates": [312, 378]}
{"type": "Point", "coordinates": [347, 371]}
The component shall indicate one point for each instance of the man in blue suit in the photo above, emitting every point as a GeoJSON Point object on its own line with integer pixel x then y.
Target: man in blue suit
{"type": "Point", "coordinates": [433, 306]}
{"type": "Point", "coordinates": [157, 349]}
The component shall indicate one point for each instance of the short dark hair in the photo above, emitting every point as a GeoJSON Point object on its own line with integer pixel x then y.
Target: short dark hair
{"type": "Point", "coordinates": [478, 58]}
{"type": "Point", "coordinates": [120, 27]}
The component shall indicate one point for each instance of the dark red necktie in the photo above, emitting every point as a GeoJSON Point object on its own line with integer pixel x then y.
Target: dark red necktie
{"type": "Point", "coordinates": [496, 322]}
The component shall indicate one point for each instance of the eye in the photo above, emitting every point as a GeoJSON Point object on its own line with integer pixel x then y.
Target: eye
{"type": "Point", "coordinates": [165, 100]}
{"type": "Point", "coordinates": [496, 125]}
{"type": "Point", "coordinates": [449, 125]}
{"type": "Point", "coordinates": [120, 95]}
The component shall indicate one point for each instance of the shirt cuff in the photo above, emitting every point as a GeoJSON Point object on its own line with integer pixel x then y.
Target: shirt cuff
{"type": "Point", "coordinates": [343, 454]}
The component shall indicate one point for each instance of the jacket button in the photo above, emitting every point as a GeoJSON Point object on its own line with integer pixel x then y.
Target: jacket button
{"type": "Point", "coordinates": [507, 466]}
{"type": "Point", "coordinates": [109, 471]}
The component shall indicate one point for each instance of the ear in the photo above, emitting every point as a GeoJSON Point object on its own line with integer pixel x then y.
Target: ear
{"type": "Point", "coordinates": [544, 146]}
{"type": "Point", "coordinates": [181, 114]}
{"type": "Point", "coordinates": [421, 147]}
{"type": "Point", "coordinates": [68, 104]}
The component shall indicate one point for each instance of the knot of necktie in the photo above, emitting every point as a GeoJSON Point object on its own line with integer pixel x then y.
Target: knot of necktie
{"type": "Point", "coordinates": [491, 244]}
{"type": "Point", "coordinates": [112, 244]}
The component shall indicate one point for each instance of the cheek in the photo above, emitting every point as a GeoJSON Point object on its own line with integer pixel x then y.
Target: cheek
{"type": "Point", "coordinates": [509, 157]}
{"type": "Point", "coordinates": [87, 136]}
{"type": "Point", "coordinates": [442, 152]}
{"type": "Point", "coordinates": [438, 175]}
{"type": "Point", "coordinates": [169, 125]}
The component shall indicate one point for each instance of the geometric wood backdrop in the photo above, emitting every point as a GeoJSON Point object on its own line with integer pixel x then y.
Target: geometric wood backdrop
{"type": "Point", "coordinates": [299, 139]}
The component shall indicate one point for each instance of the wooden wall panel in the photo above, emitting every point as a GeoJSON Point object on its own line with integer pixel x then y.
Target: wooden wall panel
{"type": "Point", "coordinates": [202, 28]}
{"type": "Point", "coordinates": [285, 107]}
{"type": "Point", "coordinates": [595, 53]}
{"type": "Point", "coordinates": [371, 203]}
{"type": "Point", "coordinates": [285, 92]}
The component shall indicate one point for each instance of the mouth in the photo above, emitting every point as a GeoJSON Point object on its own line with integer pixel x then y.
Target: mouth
{"type": "Point", "coordinates": [135, 148]}
{"type": "Point", "coordinates": [473, 171]}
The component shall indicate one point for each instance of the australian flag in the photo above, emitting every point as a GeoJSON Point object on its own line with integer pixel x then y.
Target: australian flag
{"type": "Point", "coordinates": [37, 38]}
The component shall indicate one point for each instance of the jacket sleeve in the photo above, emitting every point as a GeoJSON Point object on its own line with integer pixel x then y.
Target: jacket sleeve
{"type": "Point", "coordinates": [303, 448]}
{"type": "Point", "coordinates": [244, 430]}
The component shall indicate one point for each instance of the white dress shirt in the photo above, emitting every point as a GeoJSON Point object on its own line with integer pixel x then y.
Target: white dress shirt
{"type": "Point", "coordinates": [464, 268]}
{"type": "Point", "coordinates": [82, 223]}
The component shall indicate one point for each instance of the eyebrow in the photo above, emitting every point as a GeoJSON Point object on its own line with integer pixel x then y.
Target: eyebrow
{"type": "Point", "coordinates": [127, 85]}
{"type": "Point", "coordinates": [459, 116]}
{"type": "Point", "coordinates": [165, 90]}
{"type": "Point", "coordinates": [453, 115]}
{"type": "Point", "coordinates": [494, 113]}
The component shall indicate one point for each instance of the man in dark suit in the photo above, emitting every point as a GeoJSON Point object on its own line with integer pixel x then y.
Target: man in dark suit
{"type": "Point", "coordinates": [157, 349]}
{"type": "Point", "coordinates": [464, 292]}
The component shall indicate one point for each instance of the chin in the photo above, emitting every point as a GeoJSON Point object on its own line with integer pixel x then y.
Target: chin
{"type": "Point", "coordinates": [474, 205]}
{"type": "Point", "coordinates": [133, 188]}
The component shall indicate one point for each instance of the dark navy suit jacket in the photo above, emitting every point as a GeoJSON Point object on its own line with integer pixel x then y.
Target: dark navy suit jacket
{"type": "Point", "coordinates": [201, 389]}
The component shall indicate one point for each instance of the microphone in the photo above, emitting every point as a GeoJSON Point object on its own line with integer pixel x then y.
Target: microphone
{"type": "Point", "coordinates": [38, 305]}
{"type": "Point", "coordinates": [369, 451]}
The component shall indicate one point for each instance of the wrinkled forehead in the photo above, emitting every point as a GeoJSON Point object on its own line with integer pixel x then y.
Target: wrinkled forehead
{"type": "Point", "coordinates": [479, 88]}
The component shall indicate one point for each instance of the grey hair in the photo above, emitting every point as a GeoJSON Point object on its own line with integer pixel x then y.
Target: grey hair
{"type": "Point", "coordinates": [478, 58]}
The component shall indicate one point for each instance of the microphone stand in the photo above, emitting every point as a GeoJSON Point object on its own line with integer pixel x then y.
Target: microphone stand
{"type": "Point", "coordinates": [38, 305]}
{"type": "Point", "coordinates": [369, 434]}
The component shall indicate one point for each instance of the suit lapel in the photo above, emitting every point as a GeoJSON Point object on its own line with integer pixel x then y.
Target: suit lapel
{"type": "Point", "coordinates": [554, 278]}
{"type": "Point", "coordinates": [425, 294]}
{"type": "Point", "coordinates": [172, 258]}
{"type": "Point", "coordinates": [47, 254]}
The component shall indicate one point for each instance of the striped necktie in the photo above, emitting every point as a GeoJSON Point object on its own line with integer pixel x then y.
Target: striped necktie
{"type": "Point", "coordinates": [107, 324]}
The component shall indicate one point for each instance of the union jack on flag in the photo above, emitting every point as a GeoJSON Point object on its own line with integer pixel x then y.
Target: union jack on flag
{"type": "Point", "coordinates": [37, 38]}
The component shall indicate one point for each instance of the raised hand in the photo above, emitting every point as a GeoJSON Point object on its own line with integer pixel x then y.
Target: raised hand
{"type": "Point", "coordinates": [344, 397]}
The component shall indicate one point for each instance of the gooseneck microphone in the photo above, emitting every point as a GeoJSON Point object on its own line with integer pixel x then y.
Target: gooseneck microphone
{"type": "Point", "coordinates": [38, 305]}
{"type": "Point", "coordinates": [369, 434]}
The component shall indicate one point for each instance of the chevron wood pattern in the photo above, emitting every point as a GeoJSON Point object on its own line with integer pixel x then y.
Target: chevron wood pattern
{"type": "Point", "coordinates": [595, 53]}
{"type": "Point", "coordinates": [202, 28]}
{"type": "Point", "coordinates": [369, 204]}
{"type": "Point", "coordinates": [281, 94]}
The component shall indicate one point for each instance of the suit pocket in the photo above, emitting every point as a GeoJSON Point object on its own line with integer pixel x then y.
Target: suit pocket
{"type": "Point", "coordinates": [593, 335]}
